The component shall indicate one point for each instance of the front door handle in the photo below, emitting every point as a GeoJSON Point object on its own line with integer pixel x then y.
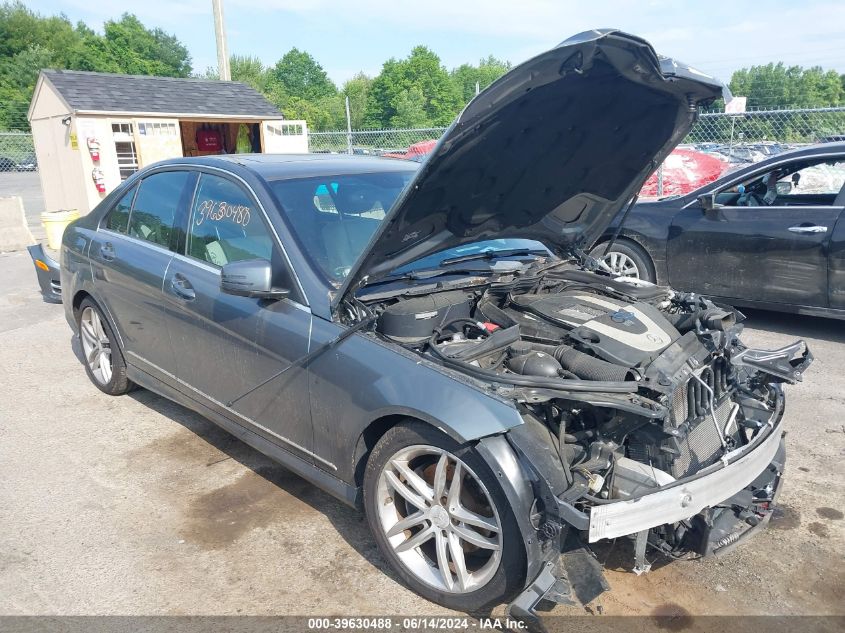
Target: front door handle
{"type": "Point", "coordinates": [107, 251]}
{"type": "Point", "coordinates": [805, 228]}
{"type": "Point", "coordinates": [182, 288]}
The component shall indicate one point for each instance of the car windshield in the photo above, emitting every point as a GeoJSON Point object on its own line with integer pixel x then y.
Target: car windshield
{"type": "Point", "coordinates": [334, 217]}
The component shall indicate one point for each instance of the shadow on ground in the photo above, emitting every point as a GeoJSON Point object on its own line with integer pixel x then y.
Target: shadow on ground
{"type": "Point", "coordinates": [797, 325]}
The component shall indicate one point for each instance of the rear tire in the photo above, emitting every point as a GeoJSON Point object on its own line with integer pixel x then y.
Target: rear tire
{"type": "Point", "coordinates": [481, 548]}
{"type": "Point", "coordinates": [102, 356]}
{"type": "Point", "coordinates": [626, 259]}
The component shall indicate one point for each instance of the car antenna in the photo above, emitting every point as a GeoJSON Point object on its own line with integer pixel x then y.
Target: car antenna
{"type": "Point", "coordinates": [621, 224]}
{"type": "Point", "coordinates": [303, 360]}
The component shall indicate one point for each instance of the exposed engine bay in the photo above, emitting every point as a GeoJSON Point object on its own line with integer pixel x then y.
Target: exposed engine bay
{"type": "Point", "coordinates": [633, 386]}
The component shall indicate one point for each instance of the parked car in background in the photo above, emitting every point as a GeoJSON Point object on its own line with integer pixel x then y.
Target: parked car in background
{"type": "Point", "coordinates": [27, 163]}
{"type": "Point", "coordinates": [416, 152]}
{"type": "Point", "coordinates": [684, 170]}
{"type": "Point", "coordinates": [770, 235]}
{"type": "Point", "coordinates": [7, 164]}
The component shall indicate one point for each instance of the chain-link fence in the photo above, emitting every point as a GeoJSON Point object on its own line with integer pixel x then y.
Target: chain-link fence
{"type": "Point", "coordinates": [714, 131]}
{"type": "Point", "coordinates": [379, 142]}
{"type": "Point", "coordinates": [17, 152]}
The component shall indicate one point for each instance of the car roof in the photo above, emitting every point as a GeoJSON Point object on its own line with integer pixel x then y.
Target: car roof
{"type": "Point", "coordinates": [287, 166]}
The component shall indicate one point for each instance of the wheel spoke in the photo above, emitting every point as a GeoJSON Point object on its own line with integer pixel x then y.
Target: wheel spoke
{"type": "Point", "coordinates": [414, 480]}
{"type": "Point", "coordinates": [457, 554]}
{"type": "Point", "coordinates": [105, 367]}
{"type": "Point", "coordinates": [442, 545]}
{"type": "Point", "coordinates": [415, 541]}
{"type": "Point", "coordinates": [474, 538]}
{"type": "Point", "coordinates": [407, 523]}
{"type": "Point", "coordinates": [453, 500]}
{"type": "Point", "coordinates": [91, 355]}
{"type": "Point", "coordinates": [440, 476]}
{"type": "Point", "coordinates": [96, 360]}
{"type": "Point", "coordinates": [409, 495]}
{"type": "Point", "coordinates": [87, 332]}
{"type": "Point", "coordinates": [98, 327]}
{"type": "Point", "coordinates": [474, 519]}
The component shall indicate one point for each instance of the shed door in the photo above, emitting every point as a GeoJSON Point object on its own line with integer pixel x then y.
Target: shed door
{"type": "Point", "coordinates": [284, 137]}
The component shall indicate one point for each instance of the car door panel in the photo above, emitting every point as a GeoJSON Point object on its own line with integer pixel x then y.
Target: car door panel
{"type": "Point", "coordinates": [752, 253]}
{"type": "Point", "coordinates": [130, 254]}
{"type": "Point", "coordinates": [226, 345]}
{"type": "Point", "coordinates": [129, 285]}
{"type": "Point", "coordinates": [836, 267]}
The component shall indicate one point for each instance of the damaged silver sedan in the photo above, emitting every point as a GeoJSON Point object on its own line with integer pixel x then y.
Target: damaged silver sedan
{"type": "Point", "coordinates": [432, 344]}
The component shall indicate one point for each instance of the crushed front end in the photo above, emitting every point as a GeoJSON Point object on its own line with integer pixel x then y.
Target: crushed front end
{"type": "Point", "coordinates": [645, 416]}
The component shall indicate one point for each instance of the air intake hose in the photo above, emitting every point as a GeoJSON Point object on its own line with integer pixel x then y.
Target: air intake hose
{"type": "Point", "coordinates": [589, 367]}
{"type": "Point", "coordinates": [712, 319]}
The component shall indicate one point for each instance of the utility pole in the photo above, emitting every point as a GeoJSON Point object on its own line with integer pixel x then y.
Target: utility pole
{"type": "Point", "coordinates": [348, 128]}
{"type": "Point", "coordinates": [222, 49]}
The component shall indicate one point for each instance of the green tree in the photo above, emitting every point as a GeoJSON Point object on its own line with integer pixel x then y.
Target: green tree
{"type": "Point", "coordinates": [302, 76]}
{"type": "Point", "coordinates": [466, 76]}
{"type": "Point", "coordinates": [249, 70]}
{"type": "Point", "coordinates": [30, 42]}
{"type": "Point", "coordinates": [778, 85]}
{"type": "Point", "coordinates": [409, 108]}
{"type": "Point", "coordinates": [18, 75]}
{"type": "Point", "coordinates": [358, 90]}
{"type": "Point", "coordinates": [422, 70]}
{"type": "Point", "coordinates": [141, 51]}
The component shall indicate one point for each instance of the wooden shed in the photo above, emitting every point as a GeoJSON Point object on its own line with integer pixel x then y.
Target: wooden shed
{"type": "Point", "coordinates": [92, 130]}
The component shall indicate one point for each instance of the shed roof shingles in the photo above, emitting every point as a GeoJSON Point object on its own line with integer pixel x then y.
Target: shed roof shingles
{"type": "Point", "coordinates": [103, 92]}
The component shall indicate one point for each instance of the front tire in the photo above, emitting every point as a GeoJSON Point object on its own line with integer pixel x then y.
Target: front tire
{"type": "Point", "coordinates": [625, 259]}
{"type": "Point", "coordinates": [442, 520]}
{"type": "Point", "coordinates": [102, 356]}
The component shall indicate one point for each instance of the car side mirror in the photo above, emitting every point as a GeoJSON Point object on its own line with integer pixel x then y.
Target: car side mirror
{"type": "Point", "coordinates": [708, 202]}
{"type": "Point", "coordinates": [250, 278]}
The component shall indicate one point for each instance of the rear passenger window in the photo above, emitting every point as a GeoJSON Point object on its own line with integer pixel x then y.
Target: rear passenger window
{"type": "Point", "coordinates": [118, 218]}
{"type": "Point", "coordinates": [156, 205]}
{"type": "Point", "coordinates": [225, 225]}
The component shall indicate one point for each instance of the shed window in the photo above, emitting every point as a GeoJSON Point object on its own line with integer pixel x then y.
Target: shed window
{"type": "Point", "coordinates": [124, 147]}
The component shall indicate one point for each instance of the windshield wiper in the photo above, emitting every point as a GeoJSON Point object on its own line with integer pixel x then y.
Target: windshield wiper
{"type": "Point", "coordinates": [430, 273]}
{"type": "Point", "coordinates": [514, 252]}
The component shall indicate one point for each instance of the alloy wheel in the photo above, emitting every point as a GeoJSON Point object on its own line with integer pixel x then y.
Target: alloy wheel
{"type": "Point", "coordinates": [620, 264]}
{"type": "Point", "coordinates": [439, 519]}
{"type": "Point", "coordinates": [95, 345]}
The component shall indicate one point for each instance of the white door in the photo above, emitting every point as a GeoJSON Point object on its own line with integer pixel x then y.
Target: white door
{"type": "Point", "coordinates": [284, 137]}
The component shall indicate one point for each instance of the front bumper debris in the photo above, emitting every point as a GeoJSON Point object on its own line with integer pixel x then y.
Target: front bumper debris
{"type": "Point", "coordinates": [686, 498]}
{"type": "Point", "coordinates": [727, 503]}
{"type": "Point", "coordinates": [48, 271]}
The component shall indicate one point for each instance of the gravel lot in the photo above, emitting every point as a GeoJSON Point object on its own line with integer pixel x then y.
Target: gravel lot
{"type": "Point", "coordinates": [134, 505]}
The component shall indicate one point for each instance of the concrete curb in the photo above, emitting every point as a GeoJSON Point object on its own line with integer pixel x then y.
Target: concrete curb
{"type": "Point", "coordinates": [14, 232]}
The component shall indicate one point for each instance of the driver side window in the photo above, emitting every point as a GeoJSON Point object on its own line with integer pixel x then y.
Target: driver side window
{"type": "Point", "coordinates": [796, 184]}
{"type": "Point", "coordinates": [225, 226]}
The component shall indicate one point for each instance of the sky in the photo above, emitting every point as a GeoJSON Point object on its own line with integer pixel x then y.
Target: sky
{"type": "Point", "coordinates": [717, 36]}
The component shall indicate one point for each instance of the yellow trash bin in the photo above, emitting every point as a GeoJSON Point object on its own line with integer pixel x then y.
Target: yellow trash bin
{"type": "Point", "coordinates": [54, 223]}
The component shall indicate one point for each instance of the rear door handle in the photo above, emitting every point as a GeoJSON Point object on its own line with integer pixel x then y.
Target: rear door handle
{"type": "Point", "coordinates": [182, 288]}
{"type": "Point", "coordinates": [801, 228]}
{"type": "Point", "coordinates": [107, 251]}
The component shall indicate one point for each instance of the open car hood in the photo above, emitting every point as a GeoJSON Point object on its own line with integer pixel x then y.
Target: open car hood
{"type": "Point", "coordinates": [550, 151]}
